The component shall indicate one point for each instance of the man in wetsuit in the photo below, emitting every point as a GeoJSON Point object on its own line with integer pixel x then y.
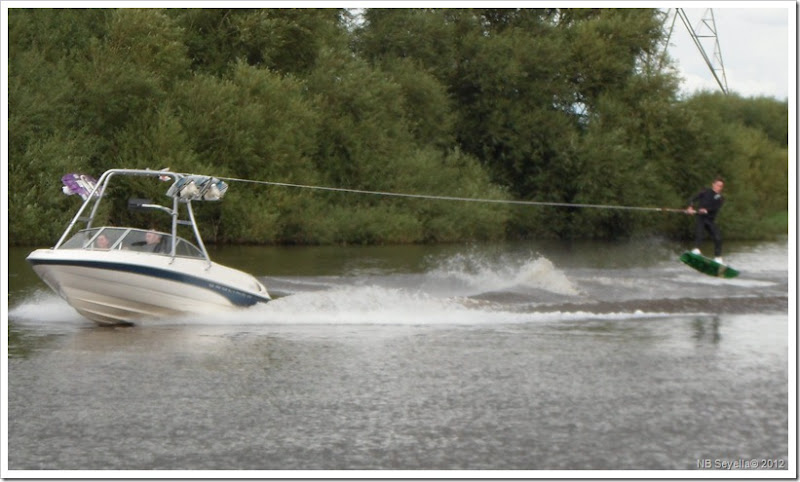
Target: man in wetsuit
{"type": "Point", "coordinates": [709, 202]}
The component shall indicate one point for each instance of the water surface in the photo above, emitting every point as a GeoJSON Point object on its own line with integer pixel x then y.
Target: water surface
{"type": "Point", "coordinates": [519, 356]}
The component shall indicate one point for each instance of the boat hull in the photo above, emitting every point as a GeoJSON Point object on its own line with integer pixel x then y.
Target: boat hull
{"type": "Point", "coordinates": [121, 287]}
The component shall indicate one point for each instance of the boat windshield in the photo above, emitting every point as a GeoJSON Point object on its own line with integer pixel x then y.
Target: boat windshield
{"type": "Point", "coordinates": [148, 241]}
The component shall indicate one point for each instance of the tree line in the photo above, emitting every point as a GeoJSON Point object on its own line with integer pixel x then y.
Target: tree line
{"type": "Point", "coordinates": [576, 106]}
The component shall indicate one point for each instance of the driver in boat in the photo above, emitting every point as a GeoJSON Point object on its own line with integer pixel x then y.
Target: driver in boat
{"type": "Point", "coordinates": [153, 243]}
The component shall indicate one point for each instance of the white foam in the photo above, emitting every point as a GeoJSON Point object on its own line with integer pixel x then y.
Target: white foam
{"type": "Point", "coordinates": [44, 307]}
{"type": "Point", "coordinates": [716, 281]}
{"type": "Point", "coordinates": [373, 305]}
{"type": "Point", "coordinates": [352, 305]}
{"type": "Point", "coordinates": [479, 275]}
{"type": "Point", "coordinates": [541, 273]}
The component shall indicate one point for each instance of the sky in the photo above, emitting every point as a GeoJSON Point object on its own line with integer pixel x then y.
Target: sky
{"type": "Point", "coordinates": [757, 44]}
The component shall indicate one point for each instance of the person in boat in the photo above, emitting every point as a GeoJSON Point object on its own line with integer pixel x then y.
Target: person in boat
{"type": "Point", "coordinates": [102, 242]}
{"type": "Point", "coordinates": [154, 242]}
{"type": "Point", "coordinates": [708, 201]}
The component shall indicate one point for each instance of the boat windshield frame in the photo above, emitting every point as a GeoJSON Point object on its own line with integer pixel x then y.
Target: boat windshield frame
{"type": "Point", "coordinates": [111, 238]}
{"type": "Point", "coordinates": [97, 195]}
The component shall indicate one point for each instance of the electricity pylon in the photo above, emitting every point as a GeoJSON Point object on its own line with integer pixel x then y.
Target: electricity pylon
{"type": "Point", "coordinates": [705, 29]}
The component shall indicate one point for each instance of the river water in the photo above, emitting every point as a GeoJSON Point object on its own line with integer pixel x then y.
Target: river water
{"type": "Point", "coordinates": [521, 356]}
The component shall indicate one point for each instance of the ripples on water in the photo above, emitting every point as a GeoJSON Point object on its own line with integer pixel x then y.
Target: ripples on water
{"type": "Point", "coordinates": [478, 361]}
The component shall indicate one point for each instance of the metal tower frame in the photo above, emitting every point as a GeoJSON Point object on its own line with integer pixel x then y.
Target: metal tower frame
{"type": "Point", "coordinates": [698, 33]}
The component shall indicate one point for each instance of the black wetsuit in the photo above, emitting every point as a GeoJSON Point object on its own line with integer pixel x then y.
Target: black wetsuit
{"type": "Point", "coordinates": [712, 202]}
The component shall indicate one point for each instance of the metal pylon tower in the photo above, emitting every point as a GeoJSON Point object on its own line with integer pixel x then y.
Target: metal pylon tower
{"type": "Point", "coordinates": [705, 29]}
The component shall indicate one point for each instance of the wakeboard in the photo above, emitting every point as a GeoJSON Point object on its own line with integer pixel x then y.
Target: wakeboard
{"type": "Point", "coordinates": [708, 265]}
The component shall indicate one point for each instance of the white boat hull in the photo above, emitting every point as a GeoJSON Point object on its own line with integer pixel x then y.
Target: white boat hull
{"type": "Point", "coordinates": [123, 287]}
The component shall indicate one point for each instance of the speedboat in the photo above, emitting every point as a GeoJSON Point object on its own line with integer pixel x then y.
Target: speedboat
{"type": "Point", "coordinates": [116, 275]}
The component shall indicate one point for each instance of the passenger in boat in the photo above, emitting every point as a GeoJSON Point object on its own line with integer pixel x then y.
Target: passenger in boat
{"type": "Point", "coordinates": [102, 242]}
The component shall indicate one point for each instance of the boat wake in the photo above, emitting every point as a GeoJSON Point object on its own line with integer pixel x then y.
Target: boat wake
{"type": "Point", "coordinates": [477, 274]}
{"type": "Point", "coordinates": [363, 305]}
{"type": "Point", "coordinates": [471, 290]}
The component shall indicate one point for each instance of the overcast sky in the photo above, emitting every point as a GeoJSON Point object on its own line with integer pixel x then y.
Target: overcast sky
{"type": "Point", "coordinates": [754, 45]}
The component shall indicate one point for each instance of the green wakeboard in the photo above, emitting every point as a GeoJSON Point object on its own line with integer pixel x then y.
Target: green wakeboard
{"type": "Point", "coordinates": [708, 266]}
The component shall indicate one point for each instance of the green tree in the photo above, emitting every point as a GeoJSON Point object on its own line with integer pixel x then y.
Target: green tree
{"type": "Point", "coordinates": [286, 40]}
{"type": "Point", "coordinates": [559, 105]}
